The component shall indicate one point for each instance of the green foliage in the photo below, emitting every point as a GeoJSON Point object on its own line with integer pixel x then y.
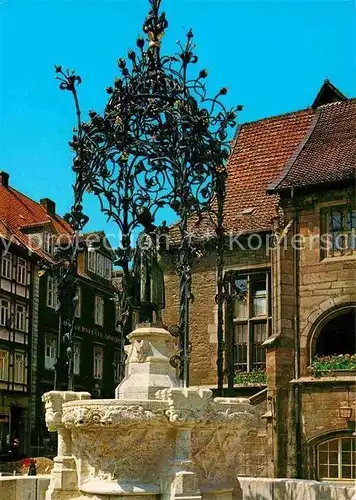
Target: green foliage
{"type": "Point", "coordinates": [332, 363]}
{"type": "Point", "coordinates": [257, 377]}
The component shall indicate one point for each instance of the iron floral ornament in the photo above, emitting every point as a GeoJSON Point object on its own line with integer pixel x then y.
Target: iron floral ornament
{"type": "Point", "coordinates": [160, 142]}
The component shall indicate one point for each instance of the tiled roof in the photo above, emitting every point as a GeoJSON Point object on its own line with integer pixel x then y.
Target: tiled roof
{"type": "Point", "coordinates": [328, 152]}
{"type": "Point", "coordinates": [19, 216]}
{"type": "Point", "coordinates": [260, 152]}
{"type": "Point", "coordinates": [18, 213]}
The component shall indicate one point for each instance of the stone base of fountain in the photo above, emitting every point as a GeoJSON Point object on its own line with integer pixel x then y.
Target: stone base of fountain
{"type": "Point", "coordinates": [156, 440]}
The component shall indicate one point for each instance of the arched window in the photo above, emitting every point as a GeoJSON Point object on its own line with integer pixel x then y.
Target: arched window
{"type": "Point", "coordinates": [338, 335]}
{"type": "Point", "coordinates": [337, 459]}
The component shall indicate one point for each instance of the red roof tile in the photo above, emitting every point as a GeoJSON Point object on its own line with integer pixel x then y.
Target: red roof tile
{"type": "Point", "coordinates": [18, 213]}
{"type": "Point", "coordinates": [260, 152]}
{"type": "Point", "coordinates": [328, 153]}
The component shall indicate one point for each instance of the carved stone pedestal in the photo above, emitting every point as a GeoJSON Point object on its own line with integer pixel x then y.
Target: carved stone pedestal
{"type": "Point", "coordinates": [147, 365]}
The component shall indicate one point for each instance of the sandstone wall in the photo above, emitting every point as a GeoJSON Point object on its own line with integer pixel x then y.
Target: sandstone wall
{"type": "Point", "coordinates": [24, 487]}
{"type": "Point", "coordinates": [203, 311]}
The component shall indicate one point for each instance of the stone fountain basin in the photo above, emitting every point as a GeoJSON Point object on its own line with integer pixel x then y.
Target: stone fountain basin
{"type": "Point", "coordinates": [128, 446]}
{"type": "Point", "coordinates": [119, 445]}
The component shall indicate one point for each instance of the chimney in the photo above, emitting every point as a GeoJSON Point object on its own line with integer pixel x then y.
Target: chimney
{"type": "Point", "coordinates": [4, 179]}
{"type": "Point", "coordinates": [48, 205]}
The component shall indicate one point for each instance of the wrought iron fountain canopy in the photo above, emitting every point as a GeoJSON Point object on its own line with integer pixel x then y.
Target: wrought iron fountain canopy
{"type": "Point", "coordinates": [160, 142]}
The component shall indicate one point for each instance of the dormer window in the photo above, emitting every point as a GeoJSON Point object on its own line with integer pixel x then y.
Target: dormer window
{"type": "Point", "coordinates": [91, 260]}
{"type": "Point", "coordinates": [48, 243]}
{"type": "Point", "coordinates": [99, 264]}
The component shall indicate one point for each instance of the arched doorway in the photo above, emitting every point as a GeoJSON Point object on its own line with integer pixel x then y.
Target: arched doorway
{"type": "Point", "coordinates": [337, 336]}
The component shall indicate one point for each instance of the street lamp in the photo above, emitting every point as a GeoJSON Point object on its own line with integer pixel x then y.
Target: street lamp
{"type": "Point", "coordinates": [345, 412]}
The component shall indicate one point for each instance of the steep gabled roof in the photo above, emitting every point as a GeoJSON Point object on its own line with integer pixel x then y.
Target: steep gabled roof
{"type": "Point", "coordinates": [328, 93]}
{"type": "Point", "coordinates": [327, 154]}
{"type": "Point", "coordinates": [18, 214]}
{"type": "Point", "coordinates": [260, 152]}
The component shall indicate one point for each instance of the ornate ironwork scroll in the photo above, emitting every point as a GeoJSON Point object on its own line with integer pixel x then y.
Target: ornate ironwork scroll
{"type": "Point", "coordinates": [161, 142]}
{"type": "Point", "coordinates": [64, 267]}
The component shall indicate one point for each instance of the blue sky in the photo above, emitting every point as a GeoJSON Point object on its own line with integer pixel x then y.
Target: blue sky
{"type": "Point", "coordinates": [273, 57]}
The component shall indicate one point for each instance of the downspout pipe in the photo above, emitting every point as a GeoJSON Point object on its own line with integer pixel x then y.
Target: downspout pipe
{"type": "Point", "coordinates": [296, 389]}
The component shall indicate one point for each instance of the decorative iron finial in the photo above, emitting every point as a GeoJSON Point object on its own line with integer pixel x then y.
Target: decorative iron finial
{"type": "Point", "coordinates": [155, 24]}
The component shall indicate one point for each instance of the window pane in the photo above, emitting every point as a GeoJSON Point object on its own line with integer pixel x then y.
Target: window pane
{"type": "Point", "coordinates": [352, 229]}
{"type": "Point", "coordinates": [333, 471]}
{"type": "Point", "coordinates": [346, 457]}
{"type": "Point", "coordinates": [6, 265]}
{"type": "Point", "coordinates": [50, 352]}
{"type": "Point", "coordinates": [333, 457]}
{"type": "Point", "coordinates": [19, 368]}
{"type": "Point", "coordinates": [334, 445]}
{"type": "Point", "coordinates": [4, 365]}
{"type": "Point", "coordinates": [241, 339]}
{"type": "Point", "coordinates": [323, 457]}
{"type": "Point", "coordinates": [259, 332]}
{"type": "Point", "coordinates": [346, 444]}
{"type": "Point", "coordinates": [346, 472]}
{"type": "Point", "coordinates": [323, 471]}
{"type": "Point", "coordinates": [259, 294]}
{"type": "Point", "coordinates": [336, 221]}
{"type": "Point", "coordinates": [76, 359]}
{"type": "Point", "coordinates": [241, 304]}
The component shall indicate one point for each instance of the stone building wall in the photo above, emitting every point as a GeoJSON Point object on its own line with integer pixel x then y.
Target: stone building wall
{"type": "Point", "coordinates": [320, 403]}
{"type": "Point", "coordinates": [308, 288]}
{"type": "Point", "coordinates": [203, 311]}
{"type": "Point", "coordinates": [325, 283]}
{"type": "Point", "coordinates": [255, 458]}
{"type": "Point", "coordinates": [322, 288]}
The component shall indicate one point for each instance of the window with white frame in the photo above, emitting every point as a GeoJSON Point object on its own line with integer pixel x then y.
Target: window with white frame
{"type": "Point", "coordinates": [6, 265]}
{"type": "Point", "coordinates": [99, 310]}
{"type": "Point", "coordinates": [76, 358]}
{"type": "Point", "coordinates": [99, 264]}
{"type": "Point", "coordinates": [21, 274]}
{"type": "Point", "coordinates": [20, 317]}
{"type": "Point", "coordinates": [48, 243]}
{"type": "Point", "coordinates": [52, 294]}
{"type": "Point", "coordinates": [117, 366]}
{"type": "Point", "coordinates": [337, 459]}
{"type": "Point", "coordinates": [4, 312]}
{"type": "Point", "coordinates": [250, 318]}
{"type": "Point", "coordinates": [91, 260]}
{"type": "Point", "coordinates": [98, 362]}
{"type": "Point", "coordinates": [50, 351]}
{"type": "Point", "coordinates": [78, 307]}
{"type": "Point", "coordinates": [4, 364]}
{"type": "Point", "coordinates": [19, 368]}
{"type": "Point", "coordinates": [107, 268]}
